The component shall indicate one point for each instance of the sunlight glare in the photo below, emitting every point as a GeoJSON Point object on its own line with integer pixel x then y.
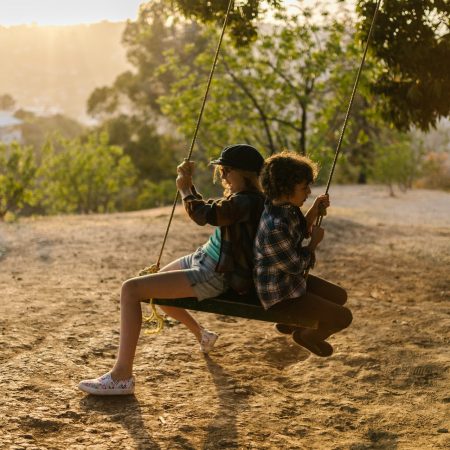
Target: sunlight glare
{"type": "Point", "coordinates": [66, 12]}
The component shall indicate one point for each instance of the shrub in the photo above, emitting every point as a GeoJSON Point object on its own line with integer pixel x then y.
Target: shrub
{"type": "Point", "coordinates": [156, 194]}
{"type": "Point", "coordinates": [85, 177]}
{"type": "Point", "coordinates": [17, 175]}
{"type": "Point", "coordinates": [397, 163]}
{"type": "Point", "coordinates": [436, 171]}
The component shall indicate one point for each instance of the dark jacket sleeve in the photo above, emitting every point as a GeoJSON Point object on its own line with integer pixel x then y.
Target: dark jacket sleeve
{"type": "Point", "coordinates": [223, 212]}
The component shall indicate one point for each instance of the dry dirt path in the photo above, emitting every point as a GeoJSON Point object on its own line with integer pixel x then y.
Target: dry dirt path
{"type": "Point", "coordinates": [386, 386]}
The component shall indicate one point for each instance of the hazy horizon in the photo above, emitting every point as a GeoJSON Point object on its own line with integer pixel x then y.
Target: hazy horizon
{"type": "Point", "coordinates": [55, 55]}
{"type": "Point", "coordinates": [55, 69]}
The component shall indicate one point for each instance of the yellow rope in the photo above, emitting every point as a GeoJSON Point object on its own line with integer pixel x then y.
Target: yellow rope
{"type": "Point", "coordinates": [154, 322]}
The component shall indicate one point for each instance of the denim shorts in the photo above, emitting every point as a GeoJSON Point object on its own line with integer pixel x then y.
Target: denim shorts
{"type": "Point", "coordinates": [200, 270]}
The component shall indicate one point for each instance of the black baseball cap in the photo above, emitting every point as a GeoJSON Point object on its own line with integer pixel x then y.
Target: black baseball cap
{"type": "Point", "coordinates": [240, 156]}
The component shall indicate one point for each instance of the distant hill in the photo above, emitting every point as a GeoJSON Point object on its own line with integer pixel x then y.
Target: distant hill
{"type": "Point", "coordinates": [56, 68]}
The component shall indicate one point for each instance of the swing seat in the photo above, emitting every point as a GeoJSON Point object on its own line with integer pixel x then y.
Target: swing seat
{"type": "Point", "coordinates": [235, 305]}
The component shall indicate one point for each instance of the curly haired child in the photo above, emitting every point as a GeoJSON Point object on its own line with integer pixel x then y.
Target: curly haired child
{"type": "Point", "coordinates": [282, 258]}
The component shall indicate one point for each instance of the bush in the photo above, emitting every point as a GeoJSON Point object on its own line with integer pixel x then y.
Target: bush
{"type": "Point", "coordinates": [17, 175]}
{"type": "Point", "coordinates": [85, 177]}
{"type": "Point", "coordinates": [397, 163]}
{"type": "Point", "coordinates": [156, 194]}
{"type": "Point", "coordinates": [435, 172]}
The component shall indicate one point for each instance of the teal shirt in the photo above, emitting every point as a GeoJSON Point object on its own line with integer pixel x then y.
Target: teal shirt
{"type": "Point", "coordinates": [212, 247]}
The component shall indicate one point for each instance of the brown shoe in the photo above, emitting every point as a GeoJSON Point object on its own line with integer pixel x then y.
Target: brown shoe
{"type": "Point", "coordinates": [319, 348]}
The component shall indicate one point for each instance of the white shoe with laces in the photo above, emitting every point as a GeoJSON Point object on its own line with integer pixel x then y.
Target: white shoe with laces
{"type": "Point", "coordinates": [207, 341]}
{"type": "Point", "coordinates": [105, 385]}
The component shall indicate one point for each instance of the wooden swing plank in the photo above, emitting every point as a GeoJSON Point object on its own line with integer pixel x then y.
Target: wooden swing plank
{"type": "Point", "coordinates": [237, 308]}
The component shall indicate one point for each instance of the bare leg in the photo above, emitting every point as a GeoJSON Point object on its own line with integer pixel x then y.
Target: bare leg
{"type": "Point", "coordinates": [181, 314]}
{"type": "Point", "coordinates": [162, 285]}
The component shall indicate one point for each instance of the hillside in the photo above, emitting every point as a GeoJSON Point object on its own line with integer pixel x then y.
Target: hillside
{"type": "Point", "coordinates": [56, 68]}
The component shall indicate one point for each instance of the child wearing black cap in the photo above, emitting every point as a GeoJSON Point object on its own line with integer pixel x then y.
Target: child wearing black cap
{"type": "Point", "coordinates": [225, 261]}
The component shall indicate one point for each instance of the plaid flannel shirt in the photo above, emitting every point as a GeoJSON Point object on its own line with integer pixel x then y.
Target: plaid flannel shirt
{"type": "Point", "coordinates": [280, 259]}
{"type": "Point", "coordinates": [238, 217]}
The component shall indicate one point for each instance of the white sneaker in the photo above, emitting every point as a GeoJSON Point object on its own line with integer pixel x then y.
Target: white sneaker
{"type": "Point", "coordinates": [105, 385]}
{"type": "Point", "coordinates": [208, 340]}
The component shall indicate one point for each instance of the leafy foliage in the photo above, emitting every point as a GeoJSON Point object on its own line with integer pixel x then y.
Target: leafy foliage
{"type": "Point", "coordinates": [242, 19]}
{"type": "Point", "coordinates": [289, 89]}
{"type": "Point", "coordinates": [155, 156]}
{"type": "Point", "coordinates": [155, 32]}
{"type": "Point", "coordinates": [153, 194]}
{"type": "Point", "coordinates": [129, 110]}
{"type": "Point", "coordinates": [86, 177]}
{"type": "Point", "coordinates": [37, 130]}
{"type": "Point", "coordinates": [412, 40]}
{"type": "Point", "coordinates": [363, 127]}
{"type": "Point", "coordinates": [397, 161]}
{"type": "Point", "coordinates": [17, 174]}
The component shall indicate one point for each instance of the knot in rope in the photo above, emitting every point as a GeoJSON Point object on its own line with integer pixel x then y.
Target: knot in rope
{"type": "Point", "coordinates": [154, 268]}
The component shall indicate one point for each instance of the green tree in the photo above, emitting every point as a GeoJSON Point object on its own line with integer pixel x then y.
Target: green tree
{"type": "Point", "coordinates": [85, 177]}
{"type": "Point", "coordinates": [412, 41]}
{"type": "Point", "coordinates": [155, 31]}
{"type": "Point", "coordinates": [363, 127]}
{"type": "Point", "coordinates": [153, 194]}
{"type": "Point", "coordinates": [271, 92]}
{"type": "Point", "coordinates": [242, 20]}
{"type": "Point", "coordinates": [17, 175]}
{"type": "Point", "coordinates": [397, 161]}
{"type": "Point", "coordinates": [128, 109]}
{"type": "Point", "coordinates": [155, 156]}
{"type": "Point", "coordinates": [37, 130]}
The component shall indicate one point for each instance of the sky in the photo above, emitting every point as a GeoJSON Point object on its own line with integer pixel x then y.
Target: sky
{"type": "Point", "coordinates": [66, 12]}
{"type": "Point", "coordinates": [70, 12]}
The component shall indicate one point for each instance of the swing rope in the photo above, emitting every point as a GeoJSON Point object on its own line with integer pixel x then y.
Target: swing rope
{"type": "Point", "coordinates": [350, 104]}
{"type": "Point", "coordinates": [155, 317]}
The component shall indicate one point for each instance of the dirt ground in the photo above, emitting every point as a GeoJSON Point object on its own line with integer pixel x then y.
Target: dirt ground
{"type": "Point", "coordinates": [385, 387]}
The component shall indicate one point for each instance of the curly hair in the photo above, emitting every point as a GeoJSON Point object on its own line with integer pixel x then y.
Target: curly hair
{"type": "Point", "coordinates": [283, 171]}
